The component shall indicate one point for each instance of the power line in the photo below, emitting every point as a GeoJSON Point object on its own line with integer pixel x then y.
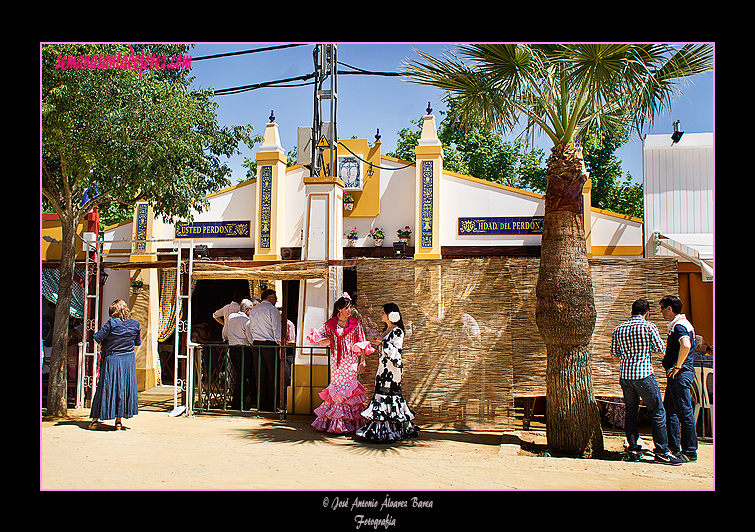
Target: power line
{"type": "Point", "coordinates": [253, 86]}
{"type": "Point", "coordinates": [374, 165]}
{"type": "Point", "coordinates": [272, 84]}
{"type": "Point", "coordinates": [255, 50]}
{"type": "Point", "coordinates": [286, 81]}
{"type": "Point", "coordinates": [366, 72]}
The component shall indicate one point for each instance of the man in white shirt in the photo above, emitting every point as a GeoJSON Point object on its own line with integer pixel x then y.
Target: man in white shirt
{"type": "Point", "coordinates": [236, 325]}
{"type": "Point", "coordinates": [221, 315]}
{"type": "Point", "coordinates": [264, 330]}
{"type": "Point", "coordinates": [265, 320]}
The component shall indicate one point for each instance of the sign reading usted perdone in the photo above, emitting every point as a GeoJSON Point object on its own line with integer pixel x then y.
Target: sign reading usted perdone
{"type": "Point", "coordinates": [213, 229]}
{"type": "Point", "coordinates": [514, 225]}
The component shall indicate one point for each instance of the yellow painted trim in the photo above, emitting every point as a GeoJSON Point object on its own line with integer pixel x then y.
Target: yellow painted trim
{"type": "Point", "coordinates": [149, 246]}
{"type": "Point", "coordinates": [319, 375]}
{"type": "Point", "coordinates": [53, 229]}
{"type": "Point", "coordinates": [494, 185]}
{"type": "Point", "coordinates": [110, 251]}
{"type": "Point", "coordinates": [526, 192]}
{"type": "Point", "coordinates": [617, 250]}
{"type": "Point", "coordinates": [322, 180]}
{"type": "Point", "coordinates": [271, 157]}
{"type": "Point", "coordinates": [436, 151]}
{"type": "Point", "coordinates": [232, 187]}
{"type": "Point", "coordinates": [396, 160]}
{"type": "Point", "coordinates": [617, 215]}
{"type": "Point", "coordinates": [367, 200]}
{"type": "Point", "coordinates": [207, 196]}
{"type": "Point", "coordinates": [130, 221]}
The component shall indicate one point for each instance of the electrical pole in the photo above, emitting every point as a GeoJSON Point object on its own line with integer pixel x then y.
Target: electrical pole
{"type": "Point", "coordinates": [324, 133]}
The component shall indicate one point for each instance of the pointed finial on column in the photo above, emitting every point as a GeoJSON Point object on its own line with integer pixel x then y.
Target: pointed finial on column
{"type": "Point", "coordinates": [429, 109]}
{"type": "Point", "coordinates": [377, 136]}
{"type": "Point", "coordinates": [272, 117]}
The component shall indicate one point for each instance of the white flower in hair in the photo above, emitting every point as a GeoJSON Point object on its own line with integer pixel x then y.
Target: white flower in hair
{"type": "Point", "coordinates": [394, 316]}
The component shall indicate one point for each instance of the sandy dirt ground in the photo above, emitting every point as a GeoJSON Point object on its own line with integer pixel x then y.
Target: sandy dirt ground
{"type": "Point", "coordinates": [223, 452]}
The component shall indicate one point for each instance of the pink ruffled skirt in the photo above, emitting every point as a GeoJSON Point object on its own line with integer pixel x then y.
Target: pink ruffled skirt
{"type": "Point", "coordinates": [341, 410]}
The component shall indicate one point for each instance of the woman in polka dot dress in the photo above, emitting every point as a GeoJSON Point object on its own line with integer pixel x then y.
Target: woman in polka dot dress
{"type": "Point", "coordinates": [388, 417]}
{"type": "Point", "coordinates": [344, 398]}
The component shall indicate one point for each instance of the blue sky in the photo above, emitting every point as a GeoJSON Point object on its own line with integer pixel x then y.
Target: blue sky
{"type": "Point", "coordinates": [368, 103]}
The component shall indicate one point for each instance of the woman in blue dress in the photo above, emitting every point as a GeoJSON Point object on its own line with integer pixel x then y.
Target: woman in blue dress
{"type": "Point", "coordinates": [116, 396]}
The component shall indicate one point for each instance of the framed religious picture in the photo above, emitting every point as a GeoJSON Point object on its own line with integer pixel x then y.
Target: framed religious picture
{"type": "Point", "coordinates": [351, 172]}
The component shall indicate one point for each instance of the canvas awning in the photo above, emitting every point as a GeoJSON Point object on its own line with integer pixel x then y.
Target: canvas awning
{"type": "Point", "coordinates": [50, 286]}
{"type": "Point", "coordinates": [287, 271]}
{"type": "Point", "coordinates": [695, 247]}
{"type": "Point", "coordinates": [239, 270]}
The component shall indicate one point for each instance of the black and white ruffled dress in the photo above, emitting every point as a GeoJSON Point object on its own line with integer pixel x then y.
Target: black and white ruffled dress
{"type": "Point", "coordinates": [388, 416]}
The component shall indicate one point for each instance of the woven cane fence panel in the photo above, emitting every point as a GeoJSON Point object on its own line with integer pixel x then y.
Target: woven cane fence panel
{"type": "Point", "coordinates": [617, 283]}
{"type": "Point", "coordinates": [472, 344]}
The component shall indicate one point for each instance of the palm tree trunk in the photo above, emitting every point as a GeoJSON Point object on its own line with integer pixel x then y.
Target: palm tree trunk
{"type": "Point", "coordinates": [565, 312]}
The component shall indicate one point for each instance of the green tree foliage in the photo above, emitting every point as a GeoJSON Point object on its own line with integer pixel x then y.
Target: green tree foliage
{"type": "Point", "coordinates": [124, 133]}
{"type": "Point", "coordinates": [480, 153]}
{"type": "Point", "coordinates": [135, 134]}
{"type": "Point", "coordinates": [251, 165]}
{"type": "Point", "coordinates": [609, 191]}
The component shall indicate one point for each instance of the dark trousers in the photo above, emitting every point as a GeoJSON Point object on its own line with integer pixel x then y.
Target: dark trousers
{"type": "Point", "coordinates": [265, 356]}
{"type": "Point", "coordinates": [244, 381]}
{"type": "Point", "coordinates": [680, 418]}
{"type": "Point", "coordinates": [647, 389]}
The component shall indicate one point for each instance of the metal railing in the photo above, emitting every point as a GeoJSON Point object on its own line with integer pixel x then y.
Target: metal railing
{"type": "Point", "coordinates": [237, 378]}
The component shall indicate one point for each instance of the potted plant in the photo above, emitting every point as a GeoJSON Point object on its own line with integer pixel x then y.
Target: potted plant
{"type": "Point", "coordinates": [136, 285]}
{"type": "Point", "coordinates": [403, 234]}
{"type": "Point", "coordinates": [377, 235]}
{"type": "Point", "coordinates": [352, 236]}
{"type": "Point", "coordinates": [348, 201]}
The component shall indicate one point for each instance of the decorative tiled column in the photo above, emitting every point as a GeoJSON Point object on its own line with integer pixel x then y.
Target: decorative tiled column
{"type": "Point", "coordinates": [271, 187]}
{"type": "Point", "coordinates": [144, 305]}
{"type": "Point", "coordinates": [429, 155]}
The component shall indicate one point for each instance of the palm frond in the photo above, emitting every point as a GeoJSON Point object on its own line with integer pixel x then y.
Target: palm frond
{"type": "Point", "coordinates": [564, 89]}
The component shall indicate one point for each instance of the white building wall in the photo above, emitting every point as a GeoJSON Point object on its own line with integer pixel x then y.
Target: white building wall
{"type": "Point", "coordinates": [678, 183]}
{"type": "Point", "coordinates": [463, 196]}
{"type": "Point", "coordinates": [614, 230]}
{"type": "Point", "coordinates": [296, 205]}
{"type": "Point", "coordinates": [236, 203]}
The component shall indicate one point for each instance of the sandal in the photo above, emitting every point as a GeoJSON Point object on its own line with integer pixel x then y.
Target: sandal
{"type": "Point", "coordinates": [93, 425]}
{"type": "Point", "coordinates": [118, 425]}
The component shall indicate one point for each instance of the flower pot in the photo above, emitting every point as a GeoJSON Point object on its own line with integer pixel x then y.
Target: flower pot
{"type": "Point", "coordinates": [352, 242]}
{"type": "Point", "coordinates": [348, 206]}
{"type": "Point", "coordinates": [403, 239]}
{"type": "Point", "coordinates": [378, 242]}
{"type": "Point", "coordinates": [136, 289]}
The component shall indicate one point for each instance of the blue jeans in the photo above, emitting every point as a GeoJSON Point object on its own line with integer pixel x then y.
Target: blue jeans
{"type": "Point", "coordinates": [680, 418]}
{"type": "Point", "coordinates": [648, 390]}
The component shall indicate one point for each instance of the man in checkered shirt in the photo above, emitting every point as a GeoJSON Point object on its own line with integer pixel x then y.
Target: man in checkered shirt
{"type": "Point", "coordinates": [632, 342]}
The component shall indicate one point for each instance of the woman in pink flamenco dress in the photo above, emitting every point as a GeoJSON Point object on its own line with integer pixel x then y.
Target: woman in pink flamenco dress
{"type": "Point", "coordinates": [344, 398]}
